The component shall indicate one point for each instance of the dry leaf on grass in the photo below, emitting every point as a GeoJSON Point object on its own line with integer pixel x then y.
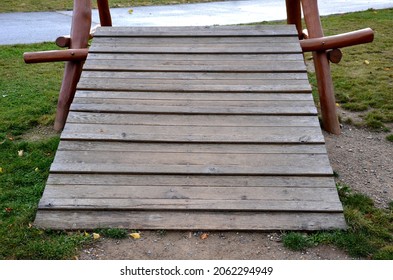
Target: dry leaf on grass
{"type": "Point", "coordinates": [204, 236]}
{"type": "Point", "coordinates": [96, 236]}
{"type": "Point", "coordinates": [135, 235]}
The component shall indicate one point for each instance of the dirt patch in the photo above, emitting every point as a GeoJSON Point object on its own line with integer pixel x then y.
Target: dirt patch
{"type": "Point", "coordinates": [40, 133]}
{"type": "Point", "coordinates": [362, 159]}
{"type": "Point", "coordinates": [218, 246]}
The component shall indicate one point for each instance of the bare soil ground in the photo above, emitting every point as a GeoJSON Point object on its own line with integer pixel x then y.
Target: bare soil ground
{"type": "Point", "coordinates": [362, 159]}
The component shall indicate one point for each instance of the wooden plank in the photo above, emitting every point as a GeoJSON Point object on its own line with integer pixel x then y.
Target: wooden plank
{"type": "Point", "coordinates": [194, 96]}
{"type": "Point", "coordinates": [123, 84]}
{"type": "Point", "coordinates": [196, 31]}
{"type": "Point", "coordinates": [75, 131]}
{"type": "Point", "coordinates": [109, 204]}
{"type": "Point", "coordinates": [222, 181]}
{"type": "Point", "coordinates": [194, 66]}
{"type": "Point", "coordinates": [201, 40]}
{"type": "Point", "coordinates": [183, 163]}
{"type": "Point", "coordinates": [189, 149]}
{"type": "Point", "coordinates": [188, 220]}
{"type": "Point", "coordinates": [190, 49]}
{"type": "Point", "coordinates": [260, 193]}
{"type": "Point", "coordinates": [124, 81]}
{"type": "Point", "coordinates": [238, 122]}
{"type": "Point", "coordinates": [197, 76]}
{"type": "Point", "coordinates": [194, 107]}
{"type": "Point", "coordinates": [196, 57]}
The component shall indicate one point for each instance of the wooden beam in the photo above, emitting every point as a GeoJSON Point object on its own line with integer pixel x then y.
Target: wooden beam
{"type": "Point", "coordinates": [334, 55]}
{"type": "Point", "coordinates": [338, 41]}
{"type": "Point", "coordinates": [322, 69]}
{"type": "Point", "coordinates": [80, 31]}
{"type": "Point", "coordinates": [57, 55]}
{"type": "Point", "coordinates": [104, 12]}
{"type": "Point", "coordinates": [65, 41]}
{"type": "Point", "coordinates": [294, 15]}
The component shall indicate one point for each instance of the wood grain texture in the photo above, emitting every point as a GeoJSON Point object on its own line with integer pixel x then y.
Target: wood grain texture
{"type": "Point", "coordinates": [197, 31]}
{"type": "Point", "coordinates": [260, 193]}
{"type": "Point", "coordinates": [192, 128]}
{"type": "Point", "coordinates": [189, 220]}
{"type": "Point", "coordinates": [196, 134]}
{"type": "Point", "coordinates": [189, 204]}
{"type": "Point", "coordinates": [222, 181]}
{"type": "Point", "coordinates": [192, 65]}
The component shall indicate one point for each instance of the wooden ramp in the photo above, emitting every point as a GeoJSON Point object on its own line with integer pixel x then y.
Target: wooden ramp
{"type": "Point", "coordinates": [192, 128]}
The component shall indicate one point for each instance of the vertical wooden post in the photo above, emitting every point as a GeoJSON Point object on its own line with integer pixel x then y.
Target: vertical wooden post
{"type": "Point", "coordinates": [80, 31]}
{"type": "Point", "coordinates": [322, 69]}
{"type": "Point", "coordinates": [294, 15]}
{"type": "Point", "coordinates": [104, 12]}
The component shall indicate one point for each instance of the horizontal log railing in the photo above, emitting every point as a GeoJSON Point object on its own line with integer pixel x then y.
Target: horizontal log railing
{"type": "Point", "coordinates": [325, 50]}
{"type": "Point", "coordinates": [338, 41]}
{"type": "Point", "coordinates": [57, 55]}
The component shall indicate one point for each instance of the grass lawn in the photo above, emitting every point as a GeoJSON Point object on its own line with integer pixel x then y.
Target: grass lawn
{"type": "Point", "coordinates": [28, 96]}
{"type": "Point", "coordinates": [363, 80]}
{"type": "Point", "coordinates": [56, 5]}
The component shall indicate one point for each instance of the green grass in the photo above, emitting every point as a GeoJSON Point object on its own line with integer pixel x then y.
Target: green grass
{"type": "Point", "coordinates": [369, 234]}
{"type": "Point", "coordinates": [28, 93]}
{"type": "Point", "coordinates": [389, 137]}
{"type": "Point", "coordinates": [22, 180]}
{"type": "Point", "coordinates": [115, 233]}
{"type": "Point", "coordinates": [361, 87]}
{"type": "Point", "coordinates": [28, 97]}
{"type": "Point", "coordinates": [56, 5]}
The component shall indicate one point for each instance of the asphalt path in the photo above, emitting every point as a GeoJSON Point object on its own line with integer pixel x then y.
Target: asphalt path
{"type": "Point", "coordinates": [25, 28]}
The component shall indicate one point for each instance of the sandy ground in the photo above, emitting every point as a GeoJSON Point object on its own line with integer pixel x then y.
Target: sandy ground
{"type": "Point", "coordinates": [362, 159]}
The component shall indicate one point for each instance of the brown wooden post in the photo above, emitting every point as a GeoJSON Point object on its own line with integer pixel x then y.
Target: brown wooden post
{"type": "Point", "coordinates": [294, 15]}
{"type": "Point", "coordinates": [104, 12]}
{"type": "Point", "coordinates": [80, 30]}
{"type": "Point", "coordinates": [322, 69]}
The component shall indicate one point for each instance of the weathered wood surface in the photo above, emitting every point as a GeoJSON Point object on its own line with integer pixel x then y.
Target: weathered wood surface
{"type": "Point", "coordinates": [186, 220]}
{"type": "Point", "coordinates": [192, 128]}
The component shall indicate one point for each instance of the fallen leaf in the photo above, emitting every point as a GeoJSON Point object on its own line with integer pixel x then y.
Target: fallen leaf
{"type": "Point", "coordinates": [30, 225]}
{"type": "Point", "coordinates": [366, 62]}
{"type": "Point", "coordinates": [11, 138]}
{"type": "Point", "coordinates": [1, 170]}
{"type": "Point", "coordinates": [135, 235]}
{"type": "Point", "coordinates": [20, 153]}
{"type": "Point", "coordinates": [204, 236]}
{"type": "Point", "coordinates": [337, 105]}
{"type": "Point", "coordinates": [86, 234]}
{"type": "Point", "coordinates": [96, 235]}
{"type": "Point", "coordinates": [36, 169]}
{"type": "Point", "coordinates": [130, 11]}
{"type": "Point", "coordinates": [8, 209]}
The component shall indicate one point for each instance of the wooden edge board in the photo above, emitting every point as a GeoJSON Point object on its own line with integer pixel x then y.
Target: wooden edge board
{"type": "Point", "coordinates": [221, 192]}
{"type": "Point", "coordinates": [192, 180]}
{"type": "Point", "coordinates": [169, 220]}
{"type": "Point", "coordinates": [195, 31]}
{"type": "Point", "coordinates": [108, 204]}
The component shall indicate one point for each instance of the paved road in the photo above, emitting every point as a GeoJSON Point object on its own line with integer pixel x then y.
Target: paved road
{"type": "Point", "coordinates": [47, 26]}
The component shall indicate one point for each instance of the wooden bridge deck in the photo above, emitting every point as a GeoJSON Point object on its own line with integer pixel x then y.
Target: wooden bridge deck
{"type": "Point", "coordinates": [192, 128]}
